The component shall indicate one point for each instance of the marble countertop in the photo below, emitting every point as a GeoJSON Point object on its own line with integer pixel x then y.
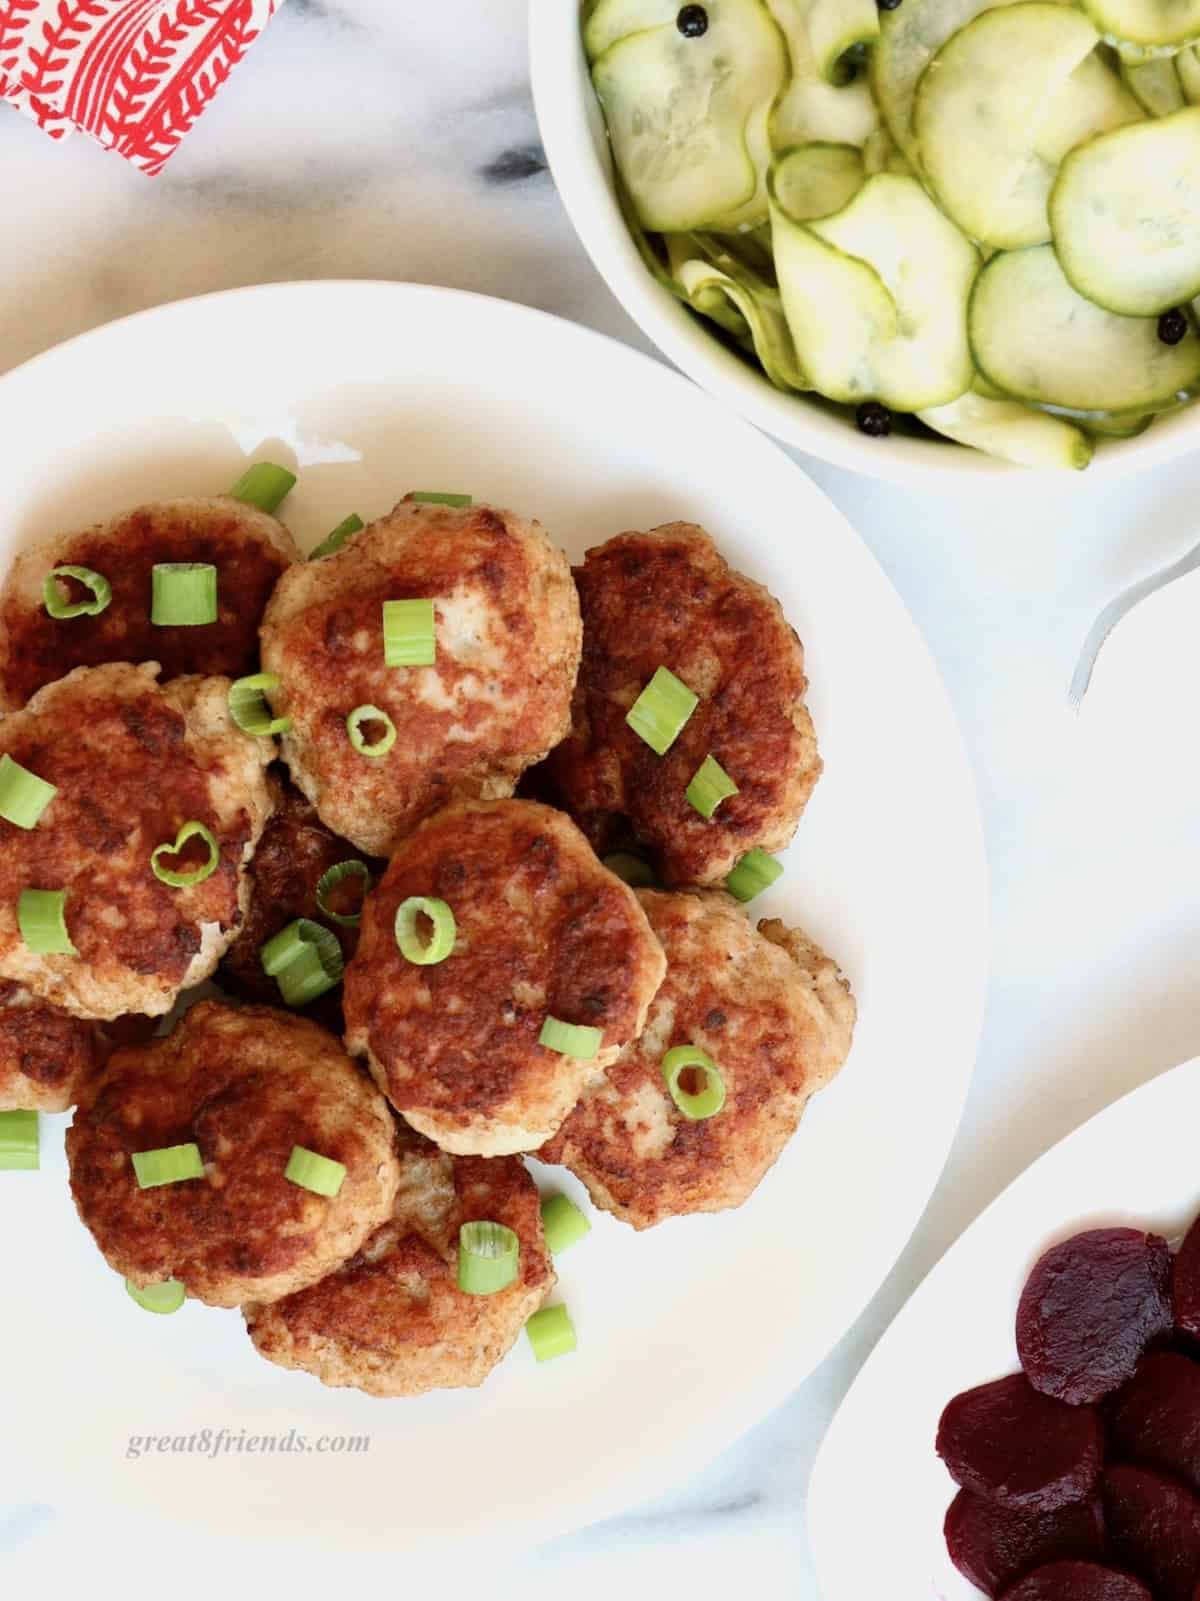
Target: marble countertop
{"type": "Point", "coordinates": [363, 138]}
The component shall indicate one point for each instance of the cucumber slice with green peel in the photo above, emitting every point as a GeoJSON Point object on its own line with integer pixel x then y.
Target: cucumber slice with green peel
{"type": "Point", "coordinates": [1125, 212]}
{"type": "Point", "coordinates": [1152, 24]}
{"type": "Point", "coordinates": [1118, 427]}
{"type": "Point", "coordinates": [1011, 431]}
{"type": "Point", "coordinates": [1036, 339]}
{"type": "Point", "coordinates": [875, 297]}
{"type": "Point", "coordinates": [607, 22]}
{"type": "Point", "coordinates": [881, 153]}
{"type": "Point", "coordinates": [817, 180]}
{"type": "Point", "coordinates": [714, 293]}
{"type": "Point", "coordinates": [1187, 67]}
{"type": "Point", "coordinates": [835, 27]}
{"type": "Point", "coordinates": [812, 108]}
{"type": "Point", "coordinates": [981, 106]}
{"type": "Point", "coordinates": [1091, 100]}
{"type": "Point", "coordinates": [1155, 85]}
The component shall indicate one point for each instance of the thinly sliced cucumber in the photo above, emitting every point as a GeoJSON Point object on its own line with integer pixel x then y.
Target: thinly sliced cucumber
{"type": "Point", "coordinates": [1011, 431]}
{"type": "Point", "coordinates": [1038, 340]}
{"type": "Point", "coordinates": [1156, 86]}
{"type": "Point", "coordinates": [836, 27]}
{"type": "Point", "coordinates": [1152, 23]}
{"type": "Point", "coordinates": [1119, 427]}
{"type": "Point", "coordinates": [710, 290]}
{"type": "Point", "coordinates": [1126, 216]}
{"type": "Point", "coordinates": [881, 153]}
{"type": "Point", "coordinates": [1090, 101]}
{"type": "Point", "coordinates": [718, 308]}
{"type": "Point", "coordinates": [812, 109]}
{"type": "Point", "coordinates": [687, 117]}
{"type": "Point", "coordinates": [1187, 66]}
{"type": "Point", "coordinates": [1139, 55]}
{"type": "Point", "coordinates": [875, 297]}
{"type": "Point", "coordinates": [610, 21]}
{"type": "Point", "coordinates": [817, 180]}
{"type": "Point", "coordinates": [980, 108]}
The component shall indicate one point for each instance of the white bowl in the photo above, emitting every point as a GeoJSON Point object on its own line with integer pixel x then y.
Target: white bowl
{"type": "Point", "coordinates": [576, 143]}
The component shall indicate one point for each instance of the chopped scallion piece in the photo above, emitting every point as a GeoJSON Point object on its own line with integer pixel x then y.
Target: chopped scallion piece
{"type": "Point", "coordinates": [354, 727]}
{"type": "Point", "coordinates": [330, 879]}
{"type": "Point", "coordinates": [564, 1223]}
{"type": "Point", "coordinates": [335, 540]}
{"type": "Point", "coordinates": [23, 795]}
{"type": "Point", "coordinates": [320, 1174]}
{"type": "Point", "coordinates": [754, 873]}
{"type": "Point", "coordinates": [632, 870]}
{"type": "Point", "coordinates": [571, 1039]}
{"type": "Point", "coordinates": [697, 1106]}
{"type": "Point", "coordinates": [57, 598]}
{"type": "Point", "coordinates": [183, 594]}
{"type": "Point", "coordinates": [172, 1164]}
{"type": "Point", "coordinates": [249, 709]}
{"type": "Point", "coordinates": [195, 875]}
{"type": "Point", "coordinates": [264, 485]}
{"type": "Point", "coordinates": [710, 785]}
{"type": "Point", "coordinates": [488, 1256]}
{"type": "Point", "coordinates": [408, 937]}
{"type": "Point", "coordinates": [551, 1333]}
{"type": "Point", "coordinates": [163, 1298]}
{"type": "Point", "coordinates": [661, 710]}
{"type": "Point", "coordinates": [409, 638]}
{"type": "Point", "coordinates": [438, 497]}
{"type": "Point", "coordinates": [19, 1142]}
{"type": "Point", "coordinates": [42, 919]}
{"type": "Point", "coordinates": [304, 959]}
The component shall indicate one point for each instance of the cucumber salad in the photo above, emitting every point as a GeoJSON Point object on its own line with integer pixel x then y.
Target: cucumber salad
{"type": "Point", "coordinates": [980, 214]}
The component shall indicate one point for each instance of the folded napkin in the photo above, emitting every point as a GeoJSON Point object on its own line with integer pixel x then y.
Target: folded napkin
{"type": "Point", "coordinates": [133, 74]}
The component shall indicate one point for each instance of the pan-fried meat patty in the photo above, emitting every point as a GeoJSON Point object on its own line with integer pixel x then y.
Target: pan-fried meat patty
{"type": "Point", "coordinates": [246, 1086]}
{"type": "Point", "coordinates": [249, 550]}
{"type": "Point", "coordinates": [667, 598]}
{"type": "Point", "coordinates": [45, 1053]}
{"type": "Point", "coordinates": [495, 700]}
{"type": "Point", "coordinates": [768, 1007]}
{"type": "Point", "coordinates": [542, 930]}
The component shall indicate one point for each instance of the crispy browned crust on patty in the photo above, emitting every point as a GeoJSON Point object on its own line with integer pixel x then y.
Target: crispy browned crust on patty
{"type": "Point", "coordinates": [246, 1086]}
{"type": "Point", "coordinates": [45, 1053]}
{"type": "Point", "coordinates": [542, 929]}
{"type": "Point", "coordinates": [393, 1321]}
{"type": "Point", "coordinates": [132, 762]}
{"type": "Point", "coordinates": [496, 700]}
{"type": "Point", "coordinates": [667, 598]}
{"type": "Point", "coordinates": [249, 549]}
{"type": "Point", "coordinates": [774, 1013]}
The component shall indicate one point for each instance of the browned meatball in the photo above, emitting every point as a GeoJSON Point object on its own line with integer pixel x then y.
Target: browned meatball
{"type": "Point", "coordinates": [667, 598]}
{"type": "Point", "coordinates": [542, 930]}
{"type": "Point", "coordinates": [246, 1086]}
{"type": "Point", "coordinates": [45, 1053]}
{"type": "Point", "coordinates": [248, 549]}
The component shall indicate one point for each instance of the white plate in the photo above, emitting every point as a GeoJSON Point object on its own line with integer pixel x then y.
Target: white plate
{"type": "Point", "coordinates": [687, 1334]}
{"type": "Point", "coordinates": [876, 1474]}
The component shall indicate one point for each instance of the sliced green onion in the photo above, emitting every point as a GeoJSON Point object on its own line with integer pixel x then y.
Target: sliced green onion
{"type": "Point", "coordinates": [564, 1223]}
{"type": "Point", "coordinates": [304, 959]}
{"type": "Point", "coordinates": [330, 879]}
{"type": "Point", "coordinates": [320, 1174]}
{"type": "Point", "coordinates": [754, 873]}
{"type": "Point", "coordinates": [408, 633]}
{"type": "Point", "coordinates": [551, 1333]}
{"type": "Point", "coordinates": [264, 485]}
{"type": "Point", "coordinates": [704, 1103]}
{"type": "Point", "coordinates": [23, 795]}
{"type": "Point", "coordinates": [661, 710]}
{"type": "Point", "coordinates": [172, 1164]}
{"type": "Point", "coordinates": [488, 1254]}
{"type": "Point", "coordinates": [249, 709]}
{"type": "Point", "coordinates": [19, 1142]}
{"type": "Point", "coordinates": [335, 540]}
{"type": "Point", "coordinates": [630, 869]}
{"type": "Point", "coordinates": [438, 497]}
{"type": "Point", "coordinates": [571, 1039]}
{"type": "Point", "coordinates": [370, 714]}
{"type": "Point", "coordinates": [408, 937]}
{"type": "Point", "coordinates": [58, 602]}
{"type": "Point", "coordinates": [162, 1298]}
{"type": "Point", "coordinates": [42, 919]}
{"type": "Point", "coordinates": [183, 594]}
{"type": "Point", "coordinates": [710, 785]}
{"type": "Point", "coordinates": [197, 875]}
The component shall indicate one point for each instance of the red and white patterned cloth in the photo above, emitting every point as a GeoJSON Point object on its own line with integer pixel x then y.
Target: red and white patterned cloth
{"type": "Point", "coordinates": [134, 74]}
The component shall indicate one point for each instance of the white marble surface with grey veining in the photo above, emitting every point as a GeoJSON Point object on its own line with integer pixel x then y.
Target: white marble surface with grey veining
{"type": "Point", "coordinates": [388, 139]}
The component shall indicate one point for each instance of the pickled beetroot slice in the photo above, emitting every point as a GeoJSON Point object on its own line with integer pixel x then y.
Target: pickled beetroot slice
{"type": "Point", "coordinates": [1010, 1444]}
{"type": "Point", "coordinates": [1090, 1308]}
{"type": "Point", "coordinates": [1077, 1581]}
{"type": "Point", "coordinates": [1155, 1418]}
{"type": "Point", "coordinates": [1185, 1292]}
{"type": "Point", "coordinates": [1154, 1528]}
{"type": "Point", "coordinates": [994, 1546]}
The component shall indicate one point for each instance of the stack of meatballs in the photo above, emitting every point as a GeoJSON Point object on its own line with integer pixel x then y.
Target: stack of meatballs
{"type": "Point", "coordinates": [493, 781]}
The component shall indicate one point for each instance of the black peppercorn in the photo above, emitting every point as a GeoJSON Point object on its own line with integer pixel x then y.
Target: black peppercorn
{"type": "Point", "coordinates": [1172, 326]}
{"type": "Point", "coordinates": [692, 22]}
{"type": "Point", "coordinates": [873, 420]}
{"type": "Point", "coordinates": [887, 5]}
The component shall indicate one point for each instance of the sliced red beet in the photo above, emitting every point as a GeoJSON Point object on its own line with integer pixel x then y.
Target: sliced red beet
{"type": "Point", "coordinates": [1077, 1581]}
{"type": "Point", "coordinates": [994, 1546]}
{"type": "Point", "coordinates": [1090, 1308]}
{"type": "Point", "coordinates": [1010, 1444]}
{"type": "Point", "coordinates": [1185, 1290]}
{"type": "Point", "coordinates": [1155, 1418]}
{"type": "Point", "coordinates": [1154, 1529]}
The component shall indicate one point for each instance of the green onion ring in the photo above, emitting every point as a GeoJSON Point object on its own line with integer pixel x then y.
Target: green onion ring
{"type": "Point", "coordinates": [488, 1258]}
{"type": "Point", "coordinates": [445, 930]}
{"type": "Point", "coordinates": [754, 873]}
{"type": "Point", "coordinates": [551, 1333]}
{"type": "Point", "coordinates": [320, 1174]}
{"type": "Point", "coordinates": [438, 497]}
{"type": "Point", "coordinates": [56, 599]}
{"type": "Point", "coordinates": [564, 1224]}
{"type": "Point", "coordinates": [577, 1040]}
{"type": "Point", "coordinates": [659, 713]}
{"type": "Point", "coordinates": [370, 714]}
{"type": "Point", "coordinates": [335, 540]}
{"type": "Point", "coordinates": [42, 919]}
{"type": "Point", "coordinates": [19, 1142]}
{"type": "Point", "coordinates": [183, 594]}
{"type": "Point", "coordinates": [171, 1164]}
{"type": "Point", "coordinates": [164, 1298]}
{"type": "Point", "coordinates": [335, 875]}
{"type": "Point", "coordinates": [710, 785]}
{"type": "Point", "coordinates": [305, 960]}
{"type": "Point", "coordinates": [264, 485]}
{"type": "Point", "coordinates": [706, 1103]}
{"type": "Point", "coordinates": [168, 875]}
{"type": "Point", "coordinates": [409, 636]}
{"type": "Point", "coordinates": [23, 795]}
{"type": "Point", "coordinates": [249, 709]}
